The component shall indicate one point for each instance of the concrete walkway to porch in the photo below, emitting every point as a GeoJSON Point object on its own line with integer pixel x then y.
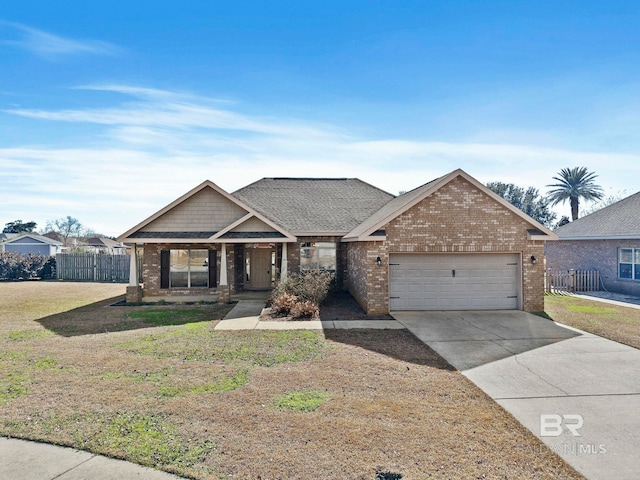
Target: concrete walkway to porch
{"type": "Point", "coordinates": [246, 316]}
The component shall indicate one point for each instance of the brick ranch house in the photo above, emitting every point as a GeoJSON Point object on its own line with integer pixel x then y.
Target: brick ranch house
{"type": "Point", "coordinates": [608, 240]}
{"type": "Point", "coordinates": [450, 244]}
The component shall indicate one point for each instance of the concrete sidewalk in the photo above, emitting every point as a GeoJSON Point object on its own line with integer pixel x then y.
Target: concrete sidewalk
{"type": "Point", "coordinates": [246, 316]}
{"type": "Point", "coordinates": [551, 378]}
{"type": "Point", "coordinates": [23, 460]}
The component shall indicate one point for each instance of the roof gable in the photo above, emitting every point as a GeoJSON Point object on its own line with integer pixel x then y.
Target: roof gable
{"type": "Point", "coordinates": [33, 239]}
{"type": "Point", "coordinates": [402, 203]}
{"type": "Point", "coordinates": [619, 220]}
{"type": "Point", "coordinates": [314, 205]}
{"type": "Point", "coordinates": [200, 215]}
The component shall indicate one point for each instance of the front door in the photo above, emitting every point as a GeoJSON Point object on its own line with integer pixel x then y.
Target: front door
{"type": "Point", "coordinates": [261, 268]}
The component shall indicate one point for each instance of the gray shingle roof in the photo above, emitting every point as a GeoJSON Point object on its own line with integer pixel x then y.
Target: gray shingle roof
{"type": "Point", "coordinates": [317, 205]}
{"type": "Point", "coordinates": [619, 220]}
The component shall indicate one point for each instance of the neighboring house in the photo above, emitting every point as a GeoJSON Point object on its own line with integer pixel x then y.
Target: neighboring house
{"type": "Point", "coordinates": [7, 236]}
{"type": "Point", "coordinates": [608, 240]}
{"type": "Point", "coordinates": [104, 245]}
{"type": "Point", "coordinates": [451, 244]}
{"type": "Point", "coordinates": [32, 243]}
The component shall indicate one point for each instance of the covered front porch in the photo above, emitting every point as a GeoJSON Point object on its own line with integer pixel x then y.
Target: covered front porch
{"type": "Point", "coordinates": [213, 271]}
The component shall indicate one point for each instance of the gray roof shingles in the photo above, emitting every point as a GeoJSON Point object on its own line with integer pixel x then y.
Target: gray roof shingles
{"type": "Point", "coordinates": [621, 219]}
{"type": "Point", "coordinates": [314, 205]}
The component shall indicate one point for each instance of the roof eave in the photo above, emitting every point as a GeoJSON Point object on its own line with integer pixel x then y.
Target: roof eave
{"type": "Point", "coordinates": [543, 237]}
{"type": "Point", "coordinates": [601, 237]}
{"type": "Point", "coordinates": [319, 234]}
{"type": "Point", "coordinates": [140, 241]}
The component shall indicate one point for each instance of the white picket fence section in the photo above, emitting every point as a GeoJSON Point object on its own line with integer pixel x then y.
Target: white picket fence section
{"type": "Point", "coordinates": [572, 281]}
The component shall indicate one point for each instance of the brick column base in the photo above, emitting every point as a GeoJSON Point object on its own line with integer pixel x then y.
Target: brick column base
{"type": "Point", "coordinates": [134, 294]}
{"type": "Point", "coordinates": [224, 294]}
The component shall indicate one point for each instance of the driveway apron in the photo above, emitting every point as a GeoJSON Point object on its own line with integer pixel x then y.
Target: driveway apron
{"type": "Point", "coordinates": [579, 393]}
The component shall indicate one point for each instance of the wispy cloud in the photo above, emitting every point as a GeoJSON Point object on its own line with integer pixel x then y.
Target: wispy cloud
{"type": "Point", "coordinates": [50, 46]}
{"type": "Point", "coordinates": [165, 109]}
{"type": "Point", "coordinates": [162, 143]}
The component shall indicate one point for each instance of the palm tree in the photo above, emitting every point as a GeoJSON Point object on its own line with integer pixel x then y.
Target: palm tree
{"type": "Point", "coordinates": [574, 184]}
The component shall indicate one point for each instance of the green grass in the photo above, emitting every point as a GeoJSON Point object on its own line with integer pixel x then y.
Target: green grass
{"type": "Point", "coordinates": [166, 317]}
{"type": "Point", "coordinates": [13, 384]}
{"type": "Point", "coordinates": [26, 335]}
{"type": "Point", "coordinates": [46, 363]}
{"type": "Point", "coordinates": [225, 383]}
{"type": "Point", "coordinates": [592, 309]}
{"type": "Point", "coordinates": [301, 401]}
{"type": "Point", "coordinates": [196, 342]}
{"type": "Point", "coordinates": [614, 322]}
{"type": "Point", "coordinates": [148, 439]}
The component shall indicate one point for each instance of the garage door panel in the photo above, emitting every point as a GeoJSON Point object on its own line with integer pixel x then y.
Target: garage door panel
{"type": "Point", "coordinates": [454, 281]}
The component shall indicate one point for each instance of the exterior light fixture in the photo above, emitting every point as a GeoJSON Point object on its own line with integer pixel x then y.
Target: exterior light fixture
{"type": "Point", "coordinates": [533, 260]}
{"type": "Point", "coordinates": [378, 261]}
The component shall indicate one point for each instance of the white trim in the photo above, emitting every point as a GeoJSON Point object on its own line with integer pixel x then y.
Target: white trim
{"type": "Point", "coordinates": [284, 267]}
{"type": "Point", "coordinates": [223, 265]}
{"type": "Point", "coordinates": [133, 267]}
{"type": "Point", "coordinates": [247, 217]}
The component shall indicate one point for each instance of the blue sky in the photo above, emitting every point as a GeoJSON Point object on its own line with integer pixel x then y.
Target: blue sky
{"type": "Point", "coordinates": [110, 110]}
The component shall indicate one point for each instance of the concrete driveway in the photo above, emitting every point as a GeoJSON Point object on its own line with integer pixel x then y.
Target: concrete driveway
{"type": "Point", "coordinates": [578, 392]}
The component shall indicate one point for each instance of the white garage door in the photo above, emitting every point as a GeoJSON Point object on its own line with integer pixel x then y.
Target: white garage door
{"type": "Point", "coordinates": [454, 282]}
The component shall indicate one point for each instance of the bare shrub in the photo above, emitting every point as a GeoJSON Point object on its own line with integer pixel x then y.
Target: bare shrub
{"type": "Point", "coordinates": [303, 309]}
{"type": "Point", "coordinates": [283, 303]}
{"type": "Point", "coordinates": [300, 295]}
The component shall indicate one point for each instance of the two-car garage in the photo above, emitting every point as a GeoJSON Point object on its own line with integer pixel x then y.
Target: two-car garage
{"type": "Point", "coordinates": [454, 281]}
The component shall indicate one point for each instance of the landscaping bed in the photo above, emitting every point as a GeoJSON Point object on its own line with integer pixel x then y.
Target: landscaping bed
{"type": "Point", "coordinates": [169, 391]}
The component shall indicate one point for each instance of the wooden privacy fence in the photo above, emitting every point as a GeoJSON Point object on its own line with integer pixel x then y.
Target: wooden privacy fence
{"type": "Point", "coordinates": [572, 281]}
{"type": "Point", "coordinates": [91, 267]}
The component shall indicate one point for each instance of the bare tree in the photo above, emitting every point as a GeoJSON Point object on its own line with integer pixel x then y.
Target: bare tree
{"type": "Point", "coordinates": [66, 227]}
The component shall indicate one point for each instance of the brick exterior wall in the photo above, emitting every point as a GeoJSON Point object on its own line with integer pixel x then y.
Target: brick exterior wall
{"type": "Point", "coordinates": [365, 280]}
{"type": "Point", "coordinates": [458, 218]}
{"type": "Point", "coordinates": [151, 270]}
{"type": "Point", "coordinates": [601, 255]}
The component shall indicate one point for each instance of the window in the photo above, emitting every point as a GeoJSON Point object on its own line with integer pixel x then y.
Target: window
{"type": "Point", "coordinates": [629, 263]}
{"type": "Point", "coordinates": [317, 256]}
{"type": "Point", "coordinates": [185, 268]}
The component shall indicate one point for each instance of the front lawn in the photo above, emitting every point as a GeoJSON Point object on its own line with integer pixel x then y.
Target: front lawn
{"type": "Point", "coordinates": [166, 390]}
{"type": "Point", "coordinates": [621, 324]}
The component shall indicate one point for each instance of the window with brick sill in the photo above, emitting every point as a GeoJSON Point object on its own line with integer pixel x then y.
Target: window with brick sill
{"type": "Point", "coordinates": [629, 263]}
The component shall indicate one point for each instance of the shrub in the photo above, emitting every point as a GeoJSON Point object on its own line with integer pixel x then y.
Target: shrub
{"type": "Point", "coordinates": [283, 303]}
{"type": "Point", "coordinates": [301, 295]}
{"type": "Point", "coordinates": [303, 309]}
{"type": "Point", "coordinates": [15, 266]}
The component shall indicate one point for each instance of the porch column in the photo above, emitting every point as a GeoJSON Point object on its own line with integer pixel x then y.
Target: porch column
{"type": "Point", "coordinates": [224, 291]}
{"type": "Point", "coordinates": [133, 267]}
{"type": "Point", "coordinates": [223, 264]}
{"type": "Point", "coordinates": [284, 267]}
{"type": "Point", "coordinates": [134, 290]}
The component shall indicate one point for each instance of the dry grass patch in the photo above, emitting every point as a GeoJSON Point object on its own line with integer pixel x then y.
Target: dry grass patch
{"type": "Point", "coordinates": [207, 404]}
{"type": "Point", "coordinates": [621, 324]}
